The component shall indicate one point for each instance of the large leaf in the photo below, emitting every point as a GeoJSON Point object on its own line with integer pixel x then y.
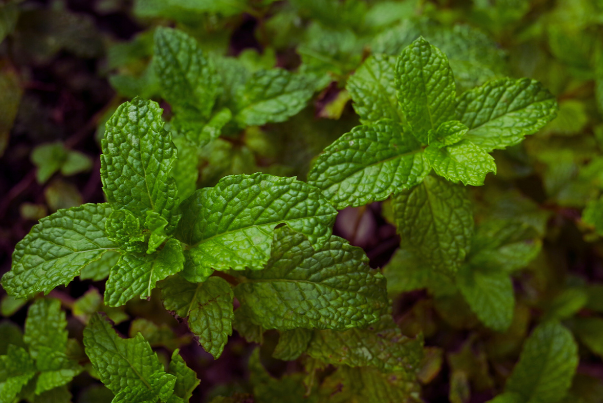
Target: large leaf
{"type": "Point", "coordinates": [206, 306]}
{"type": "Point", "coordinates": [137, 160]}
{"type": "Point", "coordinates": [369, 164]}
{"type": "Point", "coordinates": [57, 248]}
{"type": "Point", "coordinates": [502, 112]}
{"type": "Point", "coordinates": [330, 287]}
{"type": "Point", "coordinates": [435, 221]}
{"type": "Point", "coordinates": [426, 88]}
{"type": "Point", "coordinates": [231, 225]}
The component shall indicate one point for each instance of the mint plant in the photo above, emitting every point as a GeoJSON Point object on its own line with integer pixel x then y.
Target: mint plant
{"type": "Point", "coordinates": [435, 250]}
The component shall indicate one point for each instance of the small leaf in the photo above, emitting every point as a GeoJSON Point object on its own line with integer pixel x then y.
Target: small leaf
{"type": "Point", "coordinates": [186, 378]}
{"type": "Point", "coordinates": [435, 221]}
{"type": "Point", "coordinates": [188, 79]}
{"type": "Point", "coordinates": [426, 89]}
{"type": "Point", "coordinates": [369, 164]}
{"type": "Point", "coordinates": [461, 162]}
{"type": "Point", "coordinates": [137, 273]}
{"type": "Point", "coordinates": [502, 112]}
{"type": "Point", "coordinates": [331, 287]}
{"type": "Point", "coordinates": [57, 248]}
{"type": "Point", "coordinates": [45, 326]}
{"type": "Point", "coordinates": [207, 307]}
{"type": "Point", "coordinates": [448, 133]}
{"type": "Point", "coordinates": [16, 369]}
{"type": "Point", "coordinates": [271, 96]}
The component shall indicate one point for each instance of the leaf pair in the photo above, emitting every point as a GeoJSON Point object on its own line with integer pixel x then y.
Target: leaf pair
{"type": "Point", "coordinates": [387, 155]}
{"type": "Point", "coordinates": [45, 368]}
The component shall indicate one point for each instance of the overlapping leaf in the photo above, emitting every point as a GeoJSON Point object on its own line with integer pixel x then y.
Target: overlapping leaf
{"type": "Point", "coordinates": [328, 287]}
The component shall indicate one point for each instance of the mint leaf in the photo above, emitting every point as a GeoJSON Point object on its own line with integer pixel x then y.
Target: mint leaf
{"type": "Point", "coordinates": [372, 91]}
{"type": "Point", "coordinates": [369, 164]}
{"type": "Point", "coordinates": [56, 369]}
{"type": "Point", "coordinates": [271, 96]}
{"type": "Point", "coordinates": [489, 293]}
{"type": "Point", "coordinates": [447, 134]}
{"type": "Point", "coordinates": [206, 306]}
{"type": "Point", "coordinates": [461, 162]}
{"type": "Point", "coordinates": [57, 248]}
{"type": "Point", "coordinates": [186, 378]}
{"type": "Point", "coordinates": [246, 328]}
{"type": "Point", "coordinates": [137, 160]}
{"type": "Point", "coordinates": [16, 370]}
{"type": "Point", "coordinates": [267, 389]}
{"type": "Point", "coordinates": [136, 273]}
{"type": "Point", "coordinates": [99, 269]}
{"type": "Point", "coordinates": [435, 220]}
{"type": "Point", "coordinates": [128, 367]}
{"type": "Point", "coordinates": [56, 395]}
{"type": "Point", "coordinates": [504, 245]}
{"type": "Point", "coordinates": [233, 229]}
{"type": "Point", "coordinates": [502, 112]}
{"type": "Point", "coordinates": [45, 326]}
{"type": "Point", "coordinates": [426, 90]}
{"type": "Point", "coordinates": [123, 228]}
{"type": "Point", "coordinates": [50, 158]}
{"type": "Point", "coordinates": [188, 79]}
{"type": "Point", "coordinates": [380, 345]}
{"type": "Point", "coordinates": [292, 344]}
{"type": "Point", "coordinates": [330, 287]}
{"type": "Point", "coordinates": [546, 366]}
{"type": "Point", "coordinates": [156, 224]}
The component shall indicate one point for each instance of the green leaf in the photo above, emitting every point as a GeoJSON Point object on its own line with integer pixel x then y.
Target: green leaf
{"type": "Point", "coordinates": [461, 162]}
{"type": "Point", "coordinates": [372, 91]}
{"type": "Point", "coordinates": [16, 370]}
{"type": "Point", "coordinates": [45, 326]}
{"type": "Point", "coordinates": [56, 395]}
{"type": "Point", "coordinates": [128, 367]}
{"type": "Point", "coordinates": [246, 328]}
{"type": "Point", "coordinates": [10, 305]}
{"type": "Point", "coordinates": [186, 378]}
{"type": "Point", "coordinates": [136, 274]}
{"type": "Point", "coordinates": [546, 366]}
{"type": "Point", "coordinates": [233, 229]}
{"type": "Point", "coordinates": [48, 158]}
{"type": "Point", "coordinates": [489, 293]}
{"type": "Point", "coordinates": [330, 287]}
{"type": "Point", "coordinates": [206, 306]}
{"type": "Point", "coordinates": [91, 302]}
{"type": "Point", "coordinates": [502, 112]}
{"type": "Point", "coordinates": [99, 269]}
{"type": "Point", "coordinates": [57, 248]}
{"type": "Point", "coordinates": [593, 215]}
{"type": "Point", "coordinates": [189, 82]}
{"type": "Point", "coordinates": [426, 90]}
{"type": "Point", "coordinates": [271, 96]}
{"type": "Point", "coordinates": [381, 345]}
{"type": "Point", "coordinates": [137, 160]}
{"type": "Point", "coordinates": [292, 344]}
{"type": "Point", "coordinates": [56, 369]}
{"type": "Point", "coordinates": [435, 221]}
{"type": "Point", "coordinates": [369, 164]}
{"type": "Point", "coordinates": [504, 245]}
{"type": "Point", "coordinates": [447, 134]}
{"type": "Point", "coordinates": [369, 385]}
{"type": "Point", "coordinates": [9, 13]}
{"type": "Point", "coordinates": [156, 224]}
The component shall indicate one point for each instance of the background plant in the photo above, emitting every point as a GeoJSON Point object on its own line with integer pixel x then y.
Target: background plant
{"type": "Point", "coordinates": [493, 289]}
